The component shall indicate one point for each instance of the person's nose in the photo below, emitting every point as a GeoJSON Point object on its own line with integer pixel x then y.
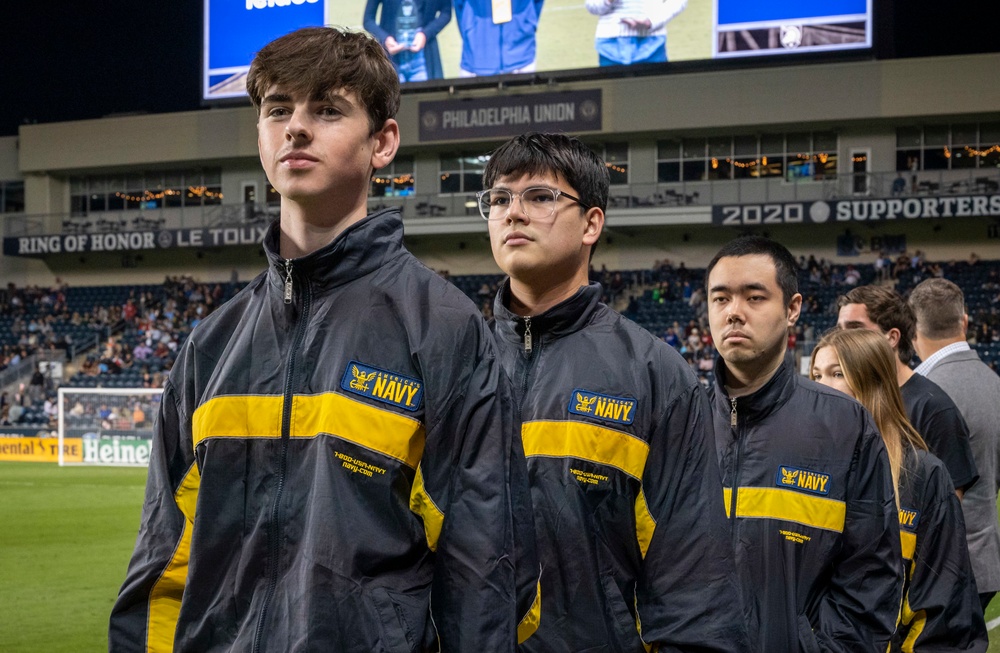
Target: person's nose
{"type": "Point", "coordinates": [516, 212]}
{"type": "Point", "coordinates": [297, 129]}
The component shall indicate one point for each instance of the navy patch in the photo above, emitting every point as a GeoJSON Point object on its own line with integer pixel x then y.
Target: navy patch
{"type": "Point", "coordinates": [382, 385]}
{"type": "Point", "coordinates": [613, 409]}
{"type": "Point", "coordinates": [803, 479]}
{"type": "Point", "coordinates": [909, 519]}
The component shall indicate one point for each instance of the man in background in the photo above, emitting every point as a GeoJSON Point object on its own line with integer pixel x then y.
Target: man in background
{"type": "Point", "coordinates": [948, 361]}
{"type": "Point", "coordinates": [498, 36]}
{"type": "Point", "coordinates": [928, 407]}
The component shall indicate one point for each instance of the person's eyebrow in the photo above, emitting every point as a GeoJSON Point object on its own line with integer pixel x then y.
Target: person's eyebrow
{"type": "Point", "coordinates": [276, 98]}
{"type": "Point", "coordinates": [742, 288]}
{"type": "Point", "coordinates": [854, 324]}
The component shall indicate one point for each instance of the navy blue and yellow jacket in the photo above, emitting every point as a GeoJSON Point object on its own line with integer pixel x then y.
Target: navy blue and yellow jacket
{"type": "Point", "coordinates": [331, 469]}
{"type": "Point", "coordinates": [813, 516]}
{"type": "Point", "coordinates": [631, 527]}
{"type": "Point", "coordinates": [941, 609]}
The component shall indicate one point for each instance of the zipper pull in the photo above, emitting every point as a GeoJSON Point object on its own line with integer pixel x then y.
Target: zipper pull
{"type": "Point", "coordinates": [527, 335]}
{"type": "Point", "coordinates": [288, 281]}
{"type": "Point", "coordinates": [732, 414]}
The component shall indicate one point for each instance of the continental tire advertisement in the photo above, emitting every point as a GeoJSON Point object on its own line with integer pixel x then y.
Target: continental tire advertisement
{"type": "Point", "coordinates": [41, 450]}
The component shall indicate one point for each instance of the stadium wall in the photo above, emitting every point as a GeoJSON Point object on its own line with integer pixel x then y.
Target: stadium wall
{"type": "Point", "coordinates": [9, 170]}
{"type": "Point", "coordinates": [863, 101]}
{"type": "Point", "coordinates": [804, 96]}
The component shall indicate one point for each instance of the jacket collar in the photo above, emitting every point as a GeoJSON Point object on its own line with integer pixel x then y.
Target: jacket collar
{"type": "Point", "coordinates": [768, 399]}
{"type": "Point", "coordinates": [569, 316]}
{"type": "Point", "coordinates": [358, 250]}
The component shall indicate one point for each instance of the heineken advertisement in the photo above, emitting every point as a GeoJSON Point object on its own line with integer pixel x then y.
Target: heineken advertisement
{"type": "Point", "coordinates": [115, 451]}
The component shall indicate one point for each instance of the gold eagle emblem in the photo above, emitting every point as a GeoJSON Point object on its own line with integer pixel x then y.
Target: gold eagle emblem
{"type": "Point", "coordinates": [788, 476]}
{"type": "Point", "coordinates": [583, 404]}
{"type": "Point", "coordinates": [360, 380]}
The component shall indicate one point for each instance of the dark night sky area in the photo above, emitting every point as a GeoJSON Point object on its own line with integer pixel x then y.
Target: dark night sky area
{"type": "Point", "coordinates": [76, 60]}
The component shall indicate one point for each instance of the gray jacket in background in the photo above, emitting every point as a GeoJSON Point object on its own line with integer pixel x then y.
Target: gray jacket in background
{"type": "Point", "coordinates": [975, 389]}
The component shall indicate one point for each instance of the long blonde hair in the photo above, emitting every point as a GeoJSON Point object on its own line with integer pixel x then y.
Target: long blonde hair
{"type": "Point", "coordinates": [870, 370]}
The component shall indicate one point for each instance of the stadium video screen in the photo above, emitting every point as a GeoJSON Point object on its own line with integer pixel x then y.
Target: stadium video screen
{"type": "Point", "coordinates": [434, 41]}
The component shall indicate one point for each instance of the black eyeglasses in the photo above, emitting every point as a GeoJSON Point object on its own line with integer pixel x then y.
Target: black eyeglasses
{"type": "Point", "coordinates": [537, 203]}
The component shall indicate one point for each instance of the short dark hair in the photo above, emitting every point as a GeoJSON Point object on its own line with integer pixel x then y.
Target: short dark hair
{"type": "Point", "coordinates": [888, 310]}
{"type": "Point", "coordinates": [317, 60]}
{"type": "Point", "coordinates": [535, 153]}
{"type": "Point", "coordinates": [939, 306]}
{"type": "Point", "coordinates": [785, 268]}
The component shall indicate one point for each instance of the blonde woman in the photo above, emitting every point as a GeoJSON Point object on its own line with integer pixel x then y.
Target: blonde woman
{"type": "Point", "coordinates": [940, 599]}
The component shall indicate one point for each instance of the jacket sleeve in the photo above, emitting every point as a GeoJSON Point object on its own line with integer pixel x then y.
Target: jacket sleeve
{"type": "Point", "coordinates": [941, 609]}
{"type": "Point", "coordinates": [664, 11]}
{"type": "Point", "coordinates": [144, 617]}
{"type": "Point", "coordinates": [440, 16]}
{"type": "Point", "coordinates": [687, 596]}
{"type": "Point", "coordinates": [462, 492]}
{"type": "Point", "coordinates": [599, 7]}
{"type": "Point", "coordinates": [527, 564]}
{"type": "Point", "coordinates": [859, 609]}
{"type": "Point", "coordinates": [947, 436]}
{"type": "Point", "coordinates": [371, 24]}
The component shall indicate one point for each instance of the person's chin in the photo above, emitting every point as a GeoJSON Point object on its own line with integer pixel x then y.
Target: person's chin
{"type": "Point", "coordinates": [734, 353]}
{"type": "Point", "coordinates": [523, 267]}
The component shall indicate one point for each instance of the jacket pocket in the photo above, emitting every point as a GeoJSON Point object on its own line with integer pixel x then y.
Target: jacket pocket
{"type": "Point", "coordinates": [807, 640]}
{"type": "Point", "coordinates": [403, 620]}
{"type": "Point", "coordinates": [620, 619]}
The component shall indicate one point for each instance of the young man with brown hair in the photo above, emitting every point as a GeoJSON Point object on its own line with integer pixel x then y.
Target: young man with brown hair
{"type": "Point", "coordinates": [332, 465]}
{"type": "Point", "coordinates": [616, 428]}
{"type": "Point", "coordinates": [928, 407]}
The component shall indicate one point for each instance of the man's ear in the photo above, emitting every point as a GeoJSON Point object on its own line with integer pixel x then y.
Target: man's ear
{"type": "Point", "coordinates": [893, 336]}
{"type": "Point", "coordinates": [386, 144]}
{"type": "Point", "coordinates": [595, 225]}
{"type": "Point", "coordinates": [794, 309]}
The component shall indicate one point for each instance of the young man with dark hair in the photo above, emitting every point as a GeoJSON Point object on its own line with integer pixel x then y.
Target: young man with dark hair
{"type": "Point", "coordinates": [332, 465]}
{"type": "Point", "coordinates": [616, 428]}
{"type": "Point", "coordinates": [928, 407]}
{"type": "Point", "coordinates": [948, 361]}
{"type": "Point", "coordinates": [806, 477]}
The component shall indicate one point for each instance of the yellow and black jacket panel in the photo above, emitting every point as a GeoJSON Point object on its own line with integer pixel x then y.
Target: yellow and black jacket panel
{"type": "Point", "coordinates": [331, 472]}
{"type": "Point", "coordinates": [941, 609]}
{"type": "Point", "coordinates": [631, 530]}
{"type": "Point", "coordinates": [812, 511]}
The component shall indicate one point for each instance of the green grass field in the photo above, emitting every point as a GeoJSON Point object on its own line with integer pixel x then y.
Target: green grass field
{"type": "Point", "coordinates": [66, 535]}
{"type": "Point", "coordinates": [65, 541]}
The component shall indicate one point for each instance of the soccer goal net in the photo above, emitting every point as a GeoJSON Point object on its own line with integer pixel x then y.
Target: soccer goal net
{"type": "Point", "coordinates": [106, 426]}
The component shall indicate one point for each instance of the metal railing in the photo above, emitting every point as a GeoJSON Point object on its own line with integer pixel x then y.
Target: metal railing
{"type": "Point", "coordinates": [13, 374]}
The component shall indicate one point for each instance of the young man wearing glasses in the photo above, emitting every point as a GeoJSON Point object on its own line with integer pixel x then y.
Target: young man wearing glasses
{"type": "Point", "coordinates": [616, 428]}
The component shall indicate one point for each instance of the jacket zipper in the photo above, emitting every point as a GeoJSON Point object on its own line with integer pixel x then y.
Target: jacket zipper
{"type": "Point", "coordinates": [288, 281]}
{"type": "Point", "coordinates": [733, 422]}
{"type": "Point", "coordinates": [274, 529]}
{"type": "Point", "coordinates": [529, 359]}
